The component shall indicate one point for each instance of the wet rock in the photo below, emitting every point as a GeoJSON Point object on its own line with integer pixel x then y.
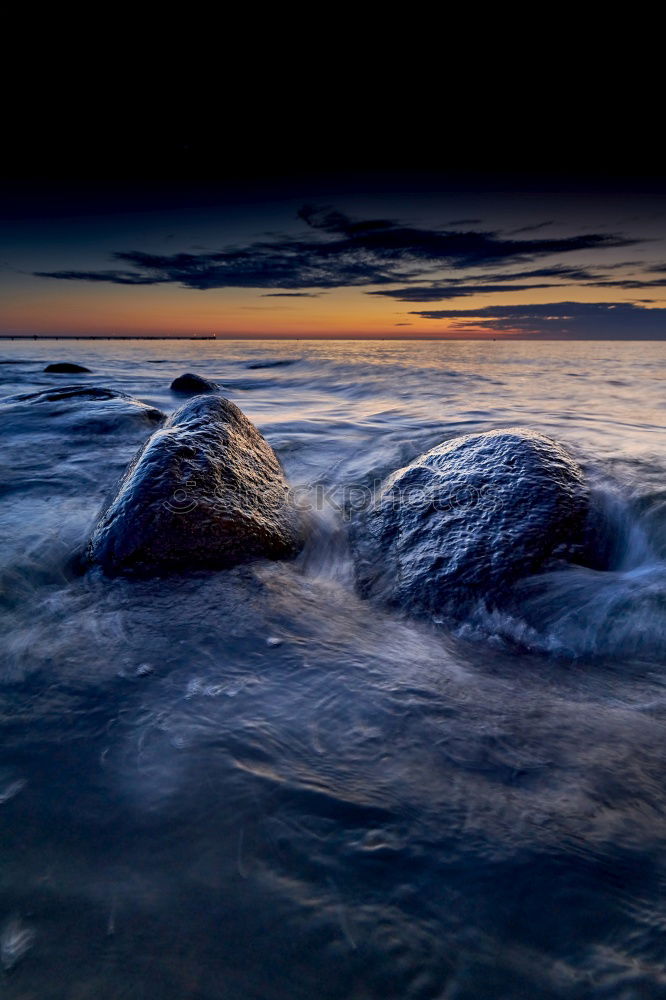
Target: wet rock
{"type": "Point", "coordinates": [77, 408]}
{"type": "Point", "coordinates": [86, 406]}
{"type": "Point", "coordinates": [68, 392]}
{"type": "Point", "coordinates": [469, 518]}
{"type": "Point", "coordinates": [63, 450]}
{"type": "Point", "coordinates": [66, 367]}
{"type": "Point", "coordinates": [205, 491]}
{"type": "Point", "coordinates": [272, 363]}
{"type": "Point", "coordinates": [192, 385]}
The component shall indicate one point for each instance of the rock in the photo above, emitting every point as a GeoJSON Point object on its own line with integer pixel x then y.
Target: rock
{"type": "Point", "coordinates": [206, 490]}
{"type": "Point", "coordinates": [69, 392]}
{"type": "Point", "coordinates": [77, 408]}
{"type": "Point", "coordinates": [66, 367]}
{"type": "Point", "coordinates": [192, 385]}
{"type": "Point", "coordinates": [467, 519]}
{"type": "Point", "coordinates": [69, 442]}
{"type": "Point", "coordinates": [273, 363]}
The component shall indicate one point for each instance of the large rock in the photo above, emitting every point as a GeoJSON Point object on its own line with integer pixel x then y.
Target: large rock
{"type": "Point", "coordinates": [467, 519]}
{"type": "Point", "coordinates": [206, 490]}
{"type": "Point", "coordinates": [67, 368]}
{"type": "Point", "coordinates": [192, 385]}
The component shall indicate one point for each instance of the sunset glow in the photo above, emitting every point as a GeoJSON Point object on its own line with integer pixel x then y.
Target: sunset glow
{"type": "Point", "coordinates": [445, 262]}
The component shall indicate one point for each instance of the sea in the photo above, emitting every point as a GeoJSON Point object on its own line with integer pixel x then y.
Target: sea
{"type": "Point", "coordinates": [254, 784]}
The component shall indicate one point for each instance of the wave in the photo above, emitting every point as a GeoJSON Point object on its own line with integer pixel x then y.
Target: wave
{"type": "Point", "coordinates": [612, 604]}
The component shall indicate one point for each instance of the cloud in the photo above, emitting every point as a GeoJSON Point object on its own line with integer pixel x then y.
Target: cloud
{"type": "Point", "coordinates": [336, 251]}
{"type": "Point", "coordinates": [559, 320]}
{"type": "Point", "coordinates": [532, 229]}
{"type": "Point", "coordinates": [629, 283]}
{"type": "Point", "coordinates": [437, 293]}
{"type": "Point", "coordinates": [511, 281]}
{"type": "Point", "coordinates": [116, 277]}
{"type": "Point", "coordinates": [291, 295]}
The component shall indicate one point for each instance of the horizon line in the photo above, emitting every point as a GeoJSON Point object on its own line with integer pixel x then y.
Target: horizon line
{"type": "Point", "coordinates": [259, 337]}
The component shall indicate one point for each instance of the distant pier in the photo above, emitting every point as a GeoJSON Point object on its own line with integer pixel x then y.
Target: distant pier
{"type": "Point", "coordinates": [97, 336]}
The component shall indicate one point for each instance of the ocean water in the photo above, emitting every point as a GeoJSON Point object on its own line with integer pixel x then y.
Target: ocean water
{"type": "Point", "coordinates": [253, 784]}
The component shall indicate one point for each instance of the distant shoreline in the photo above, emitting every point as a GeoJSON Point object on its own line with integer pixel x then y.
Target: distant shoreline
{"type": "Point", "coordinates": [502, 338]}
{"type": "Point", "coordinates": [90, 336]}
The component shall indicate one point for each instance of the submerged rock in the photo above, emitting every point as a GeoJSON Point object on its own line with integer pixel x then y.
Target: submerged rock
{"type": "Point", "coordinates": [272, 363]}
{"type": "Point", "coordinates": [68, 392]}
{"type": "Point", "coordinates": [63, 450]}
{"type": "Point", "coordinates": [204, 491]}
{"type": "Point", "coordinates": [192, 385]}
{"type": "Point", "coordinates": [77, 408]}
{"type": "Point", "coordinates": [66, 367]}
{"type": "Point", "coordinates": [469, 518]}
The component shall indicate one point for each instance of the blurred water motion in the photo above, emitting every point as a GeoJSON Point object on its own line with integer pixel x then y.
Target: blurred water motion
{"type": "Point", "coordinates": [254, 784]}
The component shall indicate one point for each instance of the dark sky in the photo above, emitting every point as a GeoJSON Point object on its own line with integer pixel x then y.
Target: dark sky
{"type": "Point", "coordinates": [267, 223]}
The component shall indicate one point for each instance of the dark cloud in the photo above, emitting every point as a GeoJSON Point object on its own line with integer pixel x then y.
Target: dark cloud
{"type": "Point", "coordinates": [511, 281]}
{"type": "Point", "coordinates": [438, 293]}
{"type": "Point", "coordinates": [531, 229]}
{"type": "Point", "coordinates": [555, 271]}
{"type": "Point", "coordinates": [560, 320]}
{"type": "Point", "coordinates": [116, 277]}
{"type": "Point", "coordinates": [291, 295]}
{"type": "Point", "coordinates": [629, 283]}
{"type": "Point", "coordinates": [339, 252]}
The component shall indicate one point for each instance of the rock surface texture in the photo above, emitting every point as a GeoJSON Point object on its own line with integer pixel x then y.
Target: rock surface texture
{"type": "Point", "coordinates": [206, 490]}
{"type": "Point", "coordinates": [467, 519]}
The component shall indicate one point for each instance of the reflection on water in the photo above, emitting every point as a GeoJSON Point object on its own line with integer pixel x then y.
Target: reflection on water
{"type": "Point", "coordinates": [253, 784]}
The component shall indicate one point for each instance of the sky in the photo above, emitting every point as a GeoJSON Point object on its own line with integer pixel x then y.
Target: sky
{"type": "Point", "coordinates": [409, 252]}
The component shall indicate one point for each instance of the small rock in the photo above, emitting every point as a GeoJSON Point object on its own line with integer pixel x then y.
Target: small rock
{"type": "Point", "coordinates": [66, 368]}
{"type": "Point", "coordinates": [274, 640]}
{"type": "Point", "coordinates": [144, 669]}
{"type": "Point", "coordinates": [192, 385]}
{"type": "Point", "coordinates": [277, 363]}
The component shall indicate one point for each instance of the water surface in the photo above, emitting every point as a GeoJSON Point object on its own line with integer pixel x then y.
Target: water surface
{"type": "Point", "coordinates": [253, 785]}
